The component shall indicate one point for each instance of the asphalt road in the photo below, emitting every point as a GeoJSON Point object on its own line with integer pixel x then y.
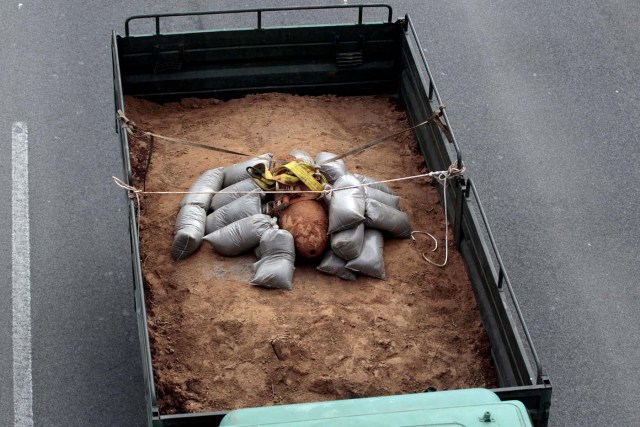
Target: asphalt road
{"type": "Point", "coordinates": [543, 97]}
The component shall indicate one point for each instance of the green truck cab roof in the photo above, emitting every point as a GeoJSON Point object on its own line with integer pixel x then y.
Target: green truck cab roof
{"type": "Point", "coordinates": [469, 407]}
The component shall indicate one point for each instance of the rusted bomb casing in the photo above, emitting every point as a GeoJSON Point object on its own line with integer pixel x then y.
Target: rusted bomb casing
{"type": "Point", "coordinates": [307, 222]}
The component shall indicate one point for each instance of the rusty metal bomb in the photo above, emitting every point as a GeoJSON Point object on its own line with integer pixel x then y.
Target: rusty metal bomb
{"type": "Point", "coordinates": [308, 224]}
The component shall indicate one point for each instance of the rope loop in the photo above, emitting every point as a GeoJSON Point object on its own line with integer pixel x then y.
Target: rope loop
{"type": "Point", "coordinates": [435, 241]}
{"type": "Point", "coordinates": [133, 193]}
{"type": "Point", "coordinates": [443, 177]}
{"type": "Point", "coordinates": [120, 183]}
{"type": "Point", "coordinates": [327, 191]}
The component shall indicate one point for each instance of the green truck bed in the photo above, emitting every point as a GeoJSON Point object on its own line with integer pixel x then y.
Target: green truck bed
{"type": "Point", "coordinates": [361, 58]}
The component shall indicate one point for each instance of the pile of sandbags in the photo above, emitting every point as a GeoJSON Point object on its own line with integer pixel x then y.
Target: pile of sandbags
{"type": "Point", "coordinates": [361, 213]}
{"type": "Point", "coordinates": [193, 222]}
{"type": "Point", "coordinates": [227, 210]}
{"type": "Point", "coordinates": [224, 207]}
{"type": "Point", "coordinates": [190, 223]}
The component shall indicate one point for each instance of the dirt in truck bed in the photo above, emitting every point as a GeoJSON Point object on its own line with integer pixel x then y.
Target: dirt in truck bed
{"type": "Point", "coordinates": [219, 343]}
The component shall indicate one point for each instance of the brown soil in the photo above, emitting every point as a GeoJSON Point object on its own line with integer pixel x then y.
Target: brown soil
{"type": "Point", "coordinates": [219, 343]}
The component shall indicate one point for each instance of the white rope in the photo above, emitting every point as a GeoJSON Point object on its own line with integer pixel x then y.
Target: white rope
{"type": "Point", "coordinates": [132, 191]}
{"type": "Point", "coordinates": [435, 241]}
{"type": "Point", "coordinates": [446, 230]}
{"type": "Point", "coordinates": [441, 176]}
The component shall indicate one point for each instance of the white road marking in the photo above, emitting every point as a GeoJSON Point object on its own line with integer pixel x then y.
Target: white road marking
{"type": "Point", "coordinates": [21, 277]}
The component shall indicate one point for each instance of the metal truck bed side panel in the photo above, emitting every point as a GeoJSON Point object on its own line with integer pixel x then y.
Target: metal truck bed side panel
{"type": "Point", "coordinates": [228, 64]}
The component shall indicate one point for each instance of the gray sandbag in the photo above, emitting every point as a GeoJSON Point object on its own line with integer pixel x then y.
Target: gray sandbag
{"type": "Point", "coordinates": [247, 205]}
{"type": "Point", "coordinates": [332, 170]}
{"type": "Point", "coordinates": [275, 268]}
{"type": "Point", "coordinates": [257, 252]}
{"type": "Point", "coordinates": [347, 244]}
{"type": "Point", "coordinates": [237, 172]}
{"type": "Point", "coordinates": [385, 218]}
{"type": "Point", "coordinates": [378, 185]}
{"type": "Point", "coordinates": [233, 192]}
{"type": "Point", "coordinates": [334, 265]}
{"type": "Point", "coordinates": [189, 231]}
{"type": "Point", "coordinates": [205, 185]}
{"type": "Point", "coordinates": [381, 196]}
{"type": "Point", "coordinates": [240, 236]}
{"type": "Point", "coordinates": [370, 261]}
{"type": "Point", "coordinates": [302, 156]}
{"type": "Point", "coordinates": [346, 209]}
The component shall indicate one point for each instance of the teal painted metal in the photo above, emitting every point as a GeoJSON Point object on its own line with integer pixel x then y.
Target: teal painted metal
{"type": "Point", "coordinates": [470, 407]}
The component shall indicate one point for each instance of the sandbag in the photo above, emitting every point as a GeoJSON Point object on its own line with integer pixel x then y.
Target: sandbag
{"type": "Point", "coordinates": [302, 156]}
{"type": "Point", "coordinates": [346, 209]}
{"type": "Point", "coordinates": [370, 260]}
{"type": "Point", "coordinates": [347, 244]}
{"type": "Point", "coordinates": [332, 170]}
{"type": "Point", "coordinates": [385, 218]}
{"type": "Point", "coordinates": [257, 252]}
{"type": "Point", "coordinates": [229, 194]}
{"type": "Point", "coordinates": [189, 231]}
{"type": "Point", "coordinates": [247, 205]}
{"type": "Point", "coordinates": [378, 185]}
{"type": "Point", "coordinates": [381, 196]}
{"type": "Point", "coordinates": [240, 236]}
{"type": "Point", "coordinates": [206, 184]}
{"type": "Point", "coordinates": [237, 172]}
{"type": "Point", "coordinates": [276, 266]}
{"type": "Point", "coordinates": [334, 265]}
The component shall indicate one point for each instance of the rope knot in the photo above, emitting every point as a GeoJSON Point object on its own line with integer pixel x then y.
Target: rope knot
{"type": "Point", "coordinates": [127, 122]}
{"type": "Point", "coordinates": [451, 172]}
{"type": "Point", "coordinates": [327, 191]}
{"type": "Point", "coordinates": [133, 191]}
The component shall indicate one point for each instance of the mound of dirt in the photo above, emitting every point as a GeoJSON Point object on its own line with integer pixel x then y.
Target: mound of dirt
{"type": "Point", "coordinates": [219, 343]}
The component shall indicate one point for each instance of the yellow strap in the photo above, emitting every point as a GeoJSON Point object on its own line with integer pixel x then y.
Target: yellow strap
{"type": "Point", "coordinates": [262, 176]}
{"type": "Point", "coordinates": [289, 174]}
{"type": "Point", "coordinates": [304, 172]}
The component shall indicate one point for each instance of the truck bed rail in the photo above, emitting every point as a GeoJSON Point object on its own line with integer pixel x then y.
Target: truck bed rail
{"type": "Point", "coordinates": [259, 12]}
{"type": "Point", "coordinates": [433, 94]}
{"type": "Point", "coordinates": [503, 277]}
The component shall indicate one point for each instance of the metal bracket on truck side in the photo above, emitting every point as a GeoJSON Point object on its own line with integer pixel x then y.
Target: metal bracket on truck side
{"type": "Point", "coordinates": [168, 57]}
{"type": "Point", "coordinates": [537, 399]}
{"type": "Point", "coordinates": [459, 188]}
{"type": "Point", "coordinates": [348, 56]}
